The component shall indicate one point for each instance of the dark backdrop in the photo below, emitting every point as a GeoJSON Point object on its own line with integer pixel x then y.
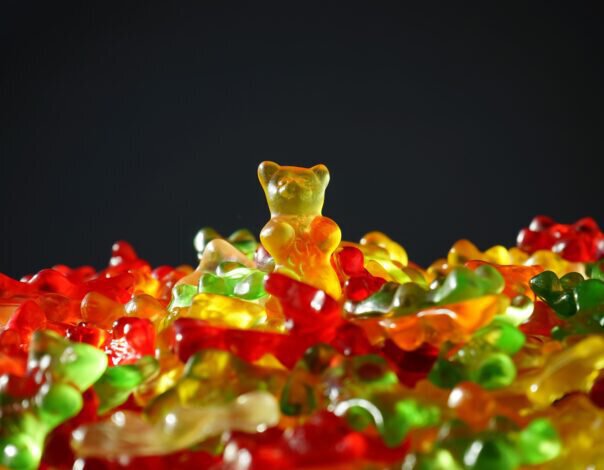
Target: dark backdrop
{"type": "Point", "coordinates": [146, 120]}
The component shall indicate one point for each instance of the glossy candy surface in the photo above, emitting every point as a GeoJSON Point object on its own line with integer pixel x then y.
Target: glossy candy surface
{"type": "Point", "coordinates": [295, 349]}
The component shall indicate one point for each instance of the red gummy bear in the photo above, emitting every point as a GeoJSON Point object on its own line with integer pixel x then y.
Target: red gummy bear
{"type": "Point", "coordinates": [309, 310]}
{"type": "Point", "coordinates": [358, 282]}
{"type": "Point", "coordinates": [582, 241]}
{"type": "Point", "coordinates": [124, 258]}
{"type": "Point", "coordinates": [190, 335]}
{"type": "Point", "coordinates": [325, 440]}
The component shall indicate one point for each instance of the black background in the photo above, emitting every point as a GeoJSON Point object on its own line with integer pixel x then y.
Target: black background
{"type": "Point", "coordinates": [146, 120]}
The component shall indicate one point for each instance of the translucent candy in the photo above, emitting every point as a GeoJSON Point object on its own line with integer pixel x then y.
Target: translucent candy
{"type": "Point", "coordinates": [234, 280]}
{"type": "Point", "coordinates": [504, 446]}
{"type": "Point", "coordinates": [242, 239]}
{"type": "Point", "coordinates": [215, 252]}
{"type": "Point", "coordinates": [580, 425]}
{"type": "Point", "coordinates": [58, 371]}
{"type": "Point", "coordinates": [215, 377]}
{"type": "Point", "coordinates": [574, 369]}
{"type": "Point", "coordinates": [401, 299]}
{"type": "Point", "coordinates": [323, 441]}
{"type": "Point", "coordinates": [224, 311]}
{"type": "Point", "coordinates": [297, 350]}
{"type": "Point", "coordinates": [582, 241]}
{"type": "Point", "coordinates": [485, 359]}
{"type": "Point", "coordinates": [117, 383]}
{"type": "Point", "coordinates": [127, 434]}
{"type": "Point", "coordinates": [298, 237]}
{"type": "Point", "coordinates": [464, 251]}
{"type": "Point", "coordinates": [578, 301]}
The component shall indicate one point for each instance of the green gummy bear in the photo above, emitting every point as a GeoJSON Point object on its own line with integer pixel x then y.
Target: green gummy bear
{"type": "Point", "coordinates": [117, 383]}
{"type": "Point", "coordinates": [62, 370]}
{"type": "Point", "coordinates": [392, 297]}
{"type": "Point", "coordinates": [501, 446]}
{"type": "Point", "coordinates": [392, 412]}
{"type": "Point", "coordinates": [589, 294]}
{"type": "Point", "coordinates": [577, 300]}
{"type": "Point", "coordinates": [503, 336]}
{"type": "Point", "coordinates": [402, 299]}
{"type": "Point", "coordinates": [462, 284]}
{"type": "Point", "coordinates": [485, 359]}
{"type": "Point", "coordinates": [549, 288]}
{"type": "Point", "coordinates": [234, 280]}
{"type": "Point", "coordinates": [368, 391]}
{"type": "Point", "coordinates": [78, 364]}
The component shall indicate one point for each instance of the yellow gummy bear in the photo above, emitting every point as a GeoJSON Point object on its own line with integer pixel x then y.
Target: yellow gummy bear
{"type": "Point", "coordinates": [298, 237]}
{"type": "Point", "coordinates": [463, 251]}
{"type": "Point", "coordinates": [580, 425]}
{"type": "Point", "coordinates": [229, 312]}
{"type": "Point", "coordinates": [129, 434]}
{"type": "Point", "coordinates": [573, 369]}
{"type": "Point", "coordinates": [394, 251]}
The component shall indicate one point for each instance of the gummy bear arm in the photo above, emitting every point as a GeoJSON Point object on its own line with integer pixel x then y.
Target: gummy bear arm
{"type": "Point", "coordinates": [277, 234]}
{"type": "Point", "coordinates": [325, 233]}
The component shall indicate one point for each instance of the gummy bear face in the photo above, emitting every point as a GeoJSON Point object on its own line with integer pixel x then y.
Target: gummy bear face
{"type": "Point", "coordinates": [293, 191]}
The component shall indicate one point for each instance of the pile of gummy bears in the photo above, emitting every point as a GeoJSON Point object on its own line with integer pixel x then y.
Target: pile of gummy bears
{"type": "Point", "coordinates": [304, 351]}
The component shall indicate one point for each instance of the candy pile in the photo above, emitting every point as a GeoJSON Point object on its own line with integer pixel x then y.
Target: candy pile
{"type": "Point", "coordinates": [304, 351]}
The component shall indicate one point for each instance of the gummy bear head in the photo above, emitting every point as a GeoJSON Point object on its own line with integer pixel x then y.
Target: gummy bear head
{"type": "Point", "coordinates": [292, 190]}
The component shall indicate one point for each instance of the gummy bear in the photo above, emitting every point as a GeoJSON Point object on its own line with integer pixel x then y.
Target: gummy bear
{"type": "Point", "coordinates": [582, 241]}
{"type": "Point", "coordinates": [358, 282]}
{"type": "Point", "coordinates": [485, 359]}
{"type": "Point", "coordinates": [118, 382]}
{"type": "Point", "coordinates": [503, 446]}
{"type": "Point", "coordinates": [578, 301]}
{"type": "Point", "coordinates": [364, 389]}
{"type": "Point", "coordinates": [298, 237]}
{"type": "Point", "coordinates": [451, 310]}
{"type": "Point", "coordinates": [580, 425]}
{"type": "Point", "coordinates": [324, 441]}
{"type": "Point", "coordinates": [217, 392]}
{"type": "Point", "coordinates": [234, 280]}
{"type": "Point", "coordinates": [58, 371]}
{"type": "Point", "coordinates": [573, 369]}
{"type": "Point", "coordinates": [127, 433]}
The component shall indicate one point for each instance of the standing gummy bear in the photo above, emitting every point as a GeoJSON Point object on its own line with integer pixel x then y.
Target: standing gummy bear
{"type": "Point", "coordinates": [298, 237]}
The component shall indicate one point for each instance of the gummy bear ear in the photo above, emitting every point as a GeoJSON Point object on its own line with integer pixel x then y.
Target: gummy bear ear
{"type": "Point", "coordinates": [322, 173]}
{"type": "Point", "coordinates": [266, 170]}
